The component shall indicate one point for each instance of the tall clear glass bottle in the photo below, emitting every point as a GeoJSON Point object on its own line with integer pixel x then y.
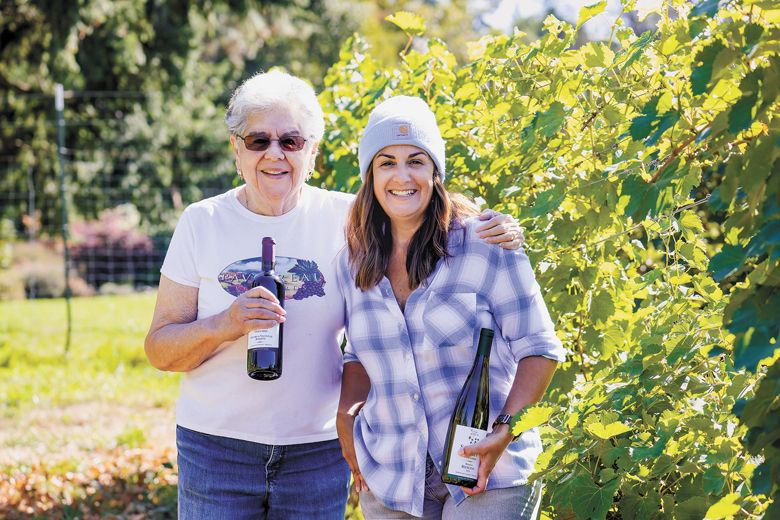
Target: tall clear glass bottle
{"type": "Point", "coordinates": [469, 422]}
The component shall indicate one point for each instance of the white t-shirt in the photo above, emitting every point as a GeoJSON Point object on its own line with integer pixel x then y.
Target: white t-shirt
{"type": "Point", "coordinates": [216, 243]}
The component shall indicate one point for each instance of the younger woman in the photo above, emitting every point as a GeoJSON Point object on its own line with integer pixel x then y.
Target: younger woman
{"type": "Point", "coordinates": [419, 285]}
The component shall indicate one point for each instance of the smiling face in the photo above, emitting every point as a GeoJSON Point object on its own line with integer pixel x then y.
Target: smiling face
{"type": "Point", "coordinates": [274, 177]}
{"type": "Point", "coordinates": [403, 184]}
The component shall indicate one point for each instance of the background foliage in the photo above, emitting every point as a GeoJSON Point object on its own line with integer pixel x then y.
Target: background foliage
{"type": "Point", "coordinates": [147, 82]}
{"type": "Point", "coordinates": [645, 170]}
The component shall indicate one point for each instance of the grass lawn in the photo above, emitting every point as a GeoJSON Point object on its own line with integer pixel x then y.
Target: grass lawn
{"type": "Point", "coordinates": [90, 432]}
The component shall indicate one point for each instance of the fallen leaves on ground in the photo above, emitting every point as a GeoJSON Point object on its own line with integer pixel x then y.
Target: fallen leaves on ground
{"type": "Point", "coordinates": [121, 483]}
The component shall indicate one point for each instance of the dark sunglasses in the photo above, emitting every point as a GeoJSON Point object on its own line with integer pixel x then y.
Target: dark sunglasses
{"type": "Point", "coordinates": [260, 143]}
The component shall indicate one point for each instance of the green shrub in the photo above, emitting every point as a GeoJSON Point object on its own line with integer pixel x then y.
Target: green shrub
{"type": "Point", "coordinates": [616, 157]}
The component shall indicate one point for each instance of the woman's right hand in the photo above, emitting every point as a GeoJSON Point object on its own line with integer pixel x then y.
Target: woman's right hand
{"type": "Point", "coordinates": [345, 423]}
{"type": "Point", "coordinates": [257, 308]}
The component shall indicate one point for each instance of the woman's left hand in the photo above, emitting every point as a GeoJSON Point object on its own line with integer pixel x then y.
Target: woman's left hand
{"type": "Point", "coordinates": [501, 229]}
{"type": "Point", "coordinates": [489, 450]}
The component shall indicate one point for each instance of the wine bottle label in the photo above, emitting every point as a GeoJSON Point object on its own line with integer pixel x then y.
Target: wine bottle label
{"type": "Point", "coordinates": [264, 338]}
{"type": "Point", "coordinates": [460, 466]}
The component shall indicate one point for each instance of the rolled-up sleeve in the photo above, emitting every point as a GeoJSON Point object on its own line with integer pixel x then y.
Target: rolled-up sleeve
{"type": "Point", "coordinates": [520, 311]}
{"type": "Point", "coordinates": [342, 279]}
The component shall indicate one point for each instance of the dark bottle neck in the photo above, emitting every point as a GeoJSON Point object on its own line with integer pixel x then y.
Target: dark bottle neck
{"type": "Point", "coordinates": [485, 343]}
{"type": "Point", "coordinates": [269, 257]}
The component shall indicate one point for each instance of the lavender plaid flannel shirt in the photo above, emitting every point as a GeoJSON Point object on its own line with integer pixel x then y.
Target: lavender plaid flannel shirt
{"type": "Point", "coordinates": [418, 359]}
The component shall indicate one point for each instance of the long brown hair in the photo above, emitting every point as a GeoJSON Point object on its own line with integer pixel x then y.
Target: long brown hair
{"type": "Point", "coordinates": [370, 241]}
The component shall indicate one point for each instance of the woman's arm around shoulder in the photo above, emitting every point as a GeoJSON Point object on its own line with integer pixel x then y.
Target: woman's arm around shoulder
{"type": "Point", "coordinates": [499, 228]}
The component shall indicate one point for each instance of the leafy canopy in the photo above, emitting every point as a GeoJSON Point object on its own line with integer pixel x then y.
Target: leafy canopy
{"type": "Point", "coordinates": [645, 170]}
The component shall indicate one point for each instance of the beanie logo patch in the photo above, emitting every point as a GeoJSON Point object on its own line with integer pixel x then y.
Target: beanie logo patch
{"type": "Point", "coordinates": [401, 130]}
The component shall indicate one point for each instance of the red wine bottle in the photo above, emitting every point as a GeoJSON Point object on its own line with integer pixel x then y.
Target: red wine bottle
{"type": "Point", "coordinates": [469, 422]}
{"type": "Point", "coordinates": [264, 346]}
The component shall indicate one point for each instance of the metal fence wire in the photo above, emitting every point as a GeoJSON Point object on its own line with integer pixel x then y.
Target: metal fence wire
{"type": "Point", "coordinates": [78, 214]}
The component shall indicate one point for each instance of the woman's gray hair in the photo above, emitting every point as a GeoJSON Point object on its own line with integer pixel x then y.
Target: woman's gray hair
{"type": "Point", "coordinates": [268, 90]}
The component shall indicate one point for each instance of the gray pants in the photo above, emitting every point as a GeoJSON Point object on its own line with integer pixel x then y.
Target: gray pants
{"type": "Point", "coordinates": [521, 502]}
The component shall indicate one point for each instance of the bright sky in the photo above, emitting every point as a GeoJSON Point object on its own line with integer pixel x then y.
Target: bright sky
{"type": "Point", "coordinates": [598, 27]}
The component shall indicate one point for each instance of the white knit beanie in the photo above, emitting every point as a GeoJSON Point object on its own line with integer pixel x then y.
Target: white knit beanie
{"type": "Point", "coordinates": [401, 120]}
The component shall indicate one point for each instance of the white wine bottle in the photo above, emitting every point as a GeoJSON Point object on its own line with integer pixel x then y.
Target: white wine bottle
{"type": "Point", "coordinates": [264, 346]}
{"type": "Point", "coordinates": [469, 422]}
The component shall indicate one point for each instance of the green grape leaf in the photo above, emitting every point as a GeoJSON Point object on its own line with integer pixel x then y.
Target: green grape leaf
{"type": "Point", "coordinates": [753, 32]}
{"type": "Point", "coordinates": [702, 73]}
{"type": "Point", "coordinates": [741, 114]}
{"type": "Point", "coordinates": [651, 121]}
{"type": "Point", "coordinates": [635, 507]}
{"type": "Point", "coordinates": [752, 347]}
{"type": "Point", "coordinates": [548, 201]}
{"type": "Point", "coordinates": [644, 453]}
{"type": "Point", "coordinates": [696, 27]}
{"type": "Point", "coordinates": [589, 11]}
{"type": "Point", "coordinates": [768, 236]}
{"type": "Point", "coordinates": [690, 226]}
{"type": "Point", "coordinates": [707, 8]}
{"type": "Point", "coordinates": [606, 431]}
{"type": "Point", "coordinates": [713, 481]}
{"type": "Point", "coordinates": [691, 508]}
{"type": "Point", "coordinates": [646, 199]}
{"type": "Point", "coordinates": [638, 48]}
{"type": "Point", "coordinates": [664, 123]}
{"type": "Point", "coordinates": [641, 126]}
{"type": "Point", "coordinates": [727, 262]}
{"type": "Point", "coordinates": [592, 500]}
{"type": "Point", "coordinates": [602, 306]}
{"type": "Point", "coordinates": [723, 508]}
{"type": "Point", "coordinates": [469, 91]}
{"type": "Point", "coordinates": [597, 54]}
{"type": "Point", "coordinates": [531, 418]}
{"type": "Point", "coordinates": [762, 478]}
{"type": "Point", "coordinates": [550, 121]}
{"type": "Point", "coordinates": [612, 339]}
{"type": "Point", "coordinates": [745, 317]}
{"type": "Point", "coordinates": [409, 23]}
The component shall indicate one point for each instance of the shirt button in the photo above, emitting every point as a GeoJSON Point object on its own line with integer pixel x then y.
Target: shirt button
{"type": "Point", "coordinates": [416, 396]}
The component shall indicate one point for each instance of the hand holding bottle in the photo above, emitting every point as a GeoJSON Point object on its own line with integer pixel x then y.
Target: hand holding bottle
{"type": "Point", "coordinates": [489, 450]}
{"type": "Point", "coordinates": [257, 308]}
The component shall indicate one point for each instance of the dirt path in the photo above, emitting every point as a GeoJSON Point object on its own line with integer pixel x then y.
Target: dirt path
{"type": "Point", "coordinates": [54, 436]}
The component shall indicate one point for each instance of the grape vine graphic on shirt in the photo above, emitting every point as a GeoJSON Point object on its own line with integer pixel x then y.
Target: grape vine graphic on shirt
{"type": "Point", "coordinates": [302, 278]}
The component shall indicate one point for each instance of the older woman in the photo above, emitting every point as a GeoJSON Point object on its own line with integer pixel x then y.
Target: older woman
{"type": "Point", "coordinates": [246, 448]}
{"type": "Point", "coordinates": [419, 285]}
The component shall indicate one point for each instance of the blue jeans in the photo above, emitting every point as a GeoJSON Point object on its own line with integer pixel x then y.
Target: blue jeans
{"type": "Point", "coordinates": [224, 478]}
